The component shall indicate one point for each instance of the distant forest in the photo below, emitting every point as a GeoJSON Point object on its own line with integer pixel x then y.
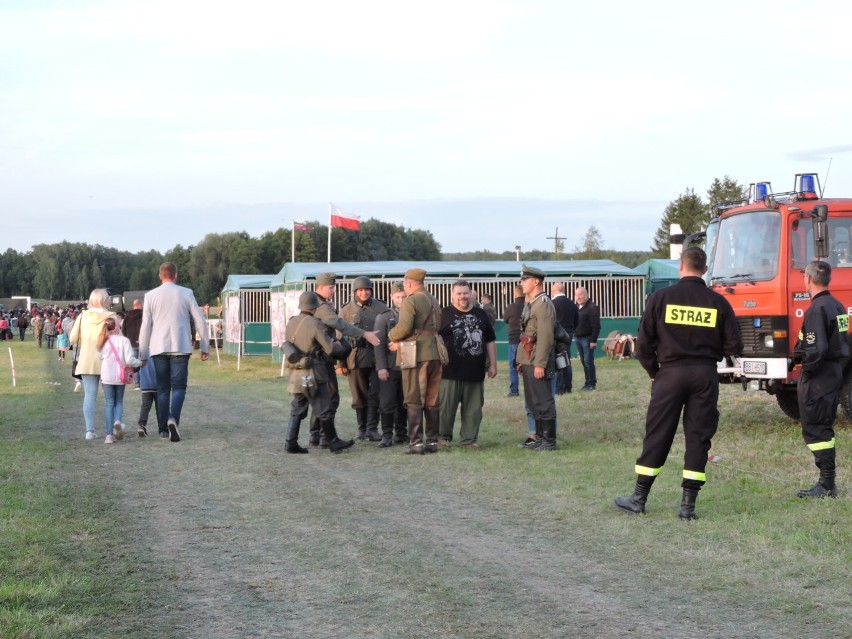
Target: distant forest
{"type": "Point", "coordinates": [70, 271]}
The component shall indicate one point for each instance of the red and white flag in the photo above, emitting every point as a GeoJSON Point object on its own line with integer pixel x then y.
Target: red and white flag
{"type": "Point", "coordinates": [344, 220]}
{"type": "Point", "coordinates": [298, 226]}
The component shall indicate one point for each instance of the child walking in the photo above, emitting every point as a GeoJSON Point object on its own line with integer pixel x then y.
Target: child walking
{"type": "Point", "coordinates": [148, 386]}
{"type": "Point", "coordinates": [117, 355]}
{"type": "Point", "coordinates": [62, 344]}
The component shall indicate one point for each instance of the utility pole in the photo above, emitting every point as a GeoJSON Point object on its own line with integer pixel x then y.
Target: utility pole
{"type": "Point", "coordinates": [556, 239]}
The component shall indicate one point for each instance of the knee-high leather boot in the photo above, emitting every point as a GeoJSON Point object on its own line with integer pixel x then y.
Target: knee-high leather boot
{"type": "Point", "coordinates": [373, 424]}
{"type": "Point", "coordinates": [432, 425]}
{"type": "Point", "coordinates": [400, 425]}
{"type": "Point", "coordinates": [316, 431]}
{"type": "Point", "coordinates": [387, 430]}
{"type": "Point", "coordinates": [361, 416]}
{"type": "Point", "coordinates": [292, 444]}
{"type": "Point", "coordinates": [415, 431]}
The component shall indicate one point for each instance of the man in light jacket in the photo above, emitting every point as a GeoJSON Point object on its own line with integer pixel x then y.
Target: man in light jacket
{"type": "Point", "coordinates": [166, 335]}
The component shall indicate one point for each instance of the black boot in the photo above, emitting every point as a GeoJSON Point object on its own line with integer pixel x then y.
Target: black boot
{"type": "Point", "coordinates": [335, 444]}
{"type": "Point", "coordinates": [687, 504]}
{"type": "Point", "coordinates": [292, 445]}
{"type": "Point", "coordinates": [432, 416]}
{"type": "Point", "coordinates": [400, 426]}
{"type": "Point", "coordinates": [373, 424]}
{"type": "Point", "coordinates": [387, 430]}
{"type": "Point", "coordinates": [361, 416]}
{"type": "Point", "coordinates": [548, 440]}
{"type": "Point", "coordinates": [415, 431]}
{"type": "Point", "coordinates": [825, 487]}
{"type": "Point", "coordinates": [635, 503]}
{"type": "Point", "coordinates": [315, 431]}
{"type": "Point", "coordinates": [339, 445]}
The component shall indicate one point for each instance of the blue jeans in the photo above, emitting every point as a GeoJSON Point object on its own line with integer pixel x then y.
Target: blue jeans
{"type": "Point", "coordinates": [90, 397]}
{"type": "Point", "coordinates": [113, 405]}
{"type": "Point", "coordinates": [172, 372]}
{"type": "Point", "coordinates": [513, 369]}
{"type": "Point", "coordinates": [587, 357]}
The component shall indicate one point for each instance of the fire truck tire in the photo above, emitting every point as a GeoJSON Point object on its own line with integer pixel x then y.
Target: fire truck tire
{"type": "Point", "coordinates": [789, 403]}
{"type": "Point", "coordinates": [846, 400]}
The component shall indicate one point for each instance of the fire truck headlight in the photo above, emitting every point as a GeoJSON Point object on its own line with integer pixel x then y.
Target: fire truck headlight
{"type": "Point", "coordinates": [768, 341]}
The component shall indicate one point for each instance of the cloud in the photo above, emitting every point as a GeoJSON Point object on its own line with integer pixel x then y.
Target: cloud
{"type": "Point", "coordinates": [821, 154]}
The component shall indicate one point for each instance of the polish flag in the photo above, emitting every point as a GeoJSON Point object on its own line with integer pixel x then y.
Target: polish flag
{"type": "Point", "coordinates": [301, 227]}
{"type": "Point", "coordinates": [345, 221]}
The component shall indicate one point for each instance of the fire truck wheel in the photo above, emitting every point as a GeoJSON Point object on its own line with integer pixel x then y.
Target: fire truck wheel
{"type": "Point", "coordinates": [789, 403]}
{"type": "Point", "coordinates": [846, 400]}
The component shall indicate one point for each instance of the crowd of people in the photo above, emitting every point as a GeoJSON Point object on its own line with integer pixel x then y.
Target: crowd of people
{"type": "Point", "coordinates": [47, 323]}
{"type": "Point", "coordinates": [413, 366]}
{"type": "Point", "coordinates": [430, 363]}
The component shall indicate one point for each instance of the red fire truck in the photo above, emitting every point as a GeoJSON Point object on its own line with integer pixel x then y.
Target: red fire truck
{"type": "Point", "coordinates": [757, 252]}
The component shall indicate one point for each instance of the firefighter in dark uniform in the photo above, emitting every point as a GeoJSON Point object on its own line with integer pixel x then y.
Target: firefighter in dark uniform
{"type": "Point", "coordinates": [823, 350]}
{"type": "Point", "coordinates": [309, 375]}
{"type": "Point", "coordinates": [391, 399]}
{"type": "Point", "coordinates": [685, 330]}
{"type": "Point", "coordinates": [361, 311]}
{"type": "Point", "coordinates": [536, 357]}
{"type": "Point", "coordinates": [327, 314]}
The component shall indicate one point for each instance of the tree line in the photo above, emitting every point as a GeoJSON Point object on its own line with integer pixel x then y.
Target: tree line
{"type": "Point", "coordinates": [70, 271]}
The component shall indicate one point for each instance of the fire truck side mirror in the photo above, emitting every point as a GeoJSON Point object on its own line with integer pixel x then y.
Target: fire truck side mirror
{"type": "Point", "coordinates": [820, 221]}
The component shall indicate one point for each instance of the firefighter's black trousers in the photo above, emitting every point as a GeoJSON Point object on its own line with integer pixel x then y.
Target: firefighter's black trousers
{"type": "Point", "coordinates": [692, 388]}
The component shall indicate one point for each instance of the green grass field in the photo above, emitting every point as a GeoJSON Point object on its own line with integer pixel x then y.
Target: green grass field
{"type": "Point", "coordinates": [223, 535]}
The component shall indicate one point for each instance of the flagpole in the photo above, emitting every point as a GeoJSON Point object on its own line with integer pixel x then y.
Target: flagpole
{"type": "Point", "coordinates": [329, 232]}
{"type": "Point", "coordinates": [293, 243]}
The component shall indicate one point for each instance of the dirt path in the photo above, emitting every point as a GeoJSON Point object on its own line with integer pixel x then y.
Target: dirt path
{"type": "Point", "coordinates": [257, 543]}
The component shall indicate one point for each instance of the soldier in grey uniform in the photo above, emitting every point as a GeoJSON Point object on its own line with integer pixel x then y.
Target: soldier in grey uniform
{"type": "Point", "coordinates": [391, 399]}
{"type": "Point", "coordinates": [536, 357]}
{"type": "Point", "coordinates": [326, 313]}
{"type": "Point", "coordinates": [361, 311]}
{"type": "Point", "coordinates": [309, 376]}
{"type": "Point", "coordinates": [419, 320]}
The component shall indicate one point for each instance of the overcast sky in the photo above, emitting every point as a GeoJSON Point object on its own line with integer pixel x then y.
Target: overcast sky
{"type": "Point", "coordinates": [142, 125]}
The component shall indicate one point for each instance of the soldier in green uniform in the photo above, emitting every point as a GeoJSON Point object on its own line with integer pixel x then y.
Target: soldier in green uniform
{"type": "Point", "coordinates": [536, 357]}
{"type": "Point", "coordinates": [391, 399]}
{"type": "Point", "coordinates": [361, 311]}
{"type": "Point", "coordinates": [420, 319]}
{"type": "Point", "coordinates": [309, 376]}
{"type": "Point", "coordinates": [327, 314]}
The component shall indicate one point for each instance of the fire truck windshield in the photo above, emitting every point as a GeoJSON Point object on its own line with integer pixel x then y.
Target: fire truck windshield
{"type": "Point", "coordinates": [747, 247]}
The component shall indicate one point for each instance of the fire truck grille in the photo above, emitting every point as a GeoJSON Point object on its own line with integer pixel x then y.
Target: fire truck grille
{"type": "Point", "coordinates": [753, 335]}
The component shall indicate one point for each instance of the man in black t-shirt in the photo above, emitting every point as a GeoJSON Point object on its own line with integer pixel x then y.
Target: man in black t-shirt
{"type": "Point", "coordinates": [472, 345]}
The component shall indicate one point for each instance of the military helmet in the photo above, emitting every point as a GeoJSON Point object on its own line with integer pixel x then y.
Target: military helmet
{"type": "Point", "coordinates": [362, 281]}
{"type": "Point", "coordinates": [308, 301]}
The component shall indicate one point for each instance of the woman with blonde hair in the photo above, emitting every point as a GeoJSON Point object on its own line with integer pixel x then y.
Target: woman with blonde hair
{"type": "Point", "coordinates": [85, 335]}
